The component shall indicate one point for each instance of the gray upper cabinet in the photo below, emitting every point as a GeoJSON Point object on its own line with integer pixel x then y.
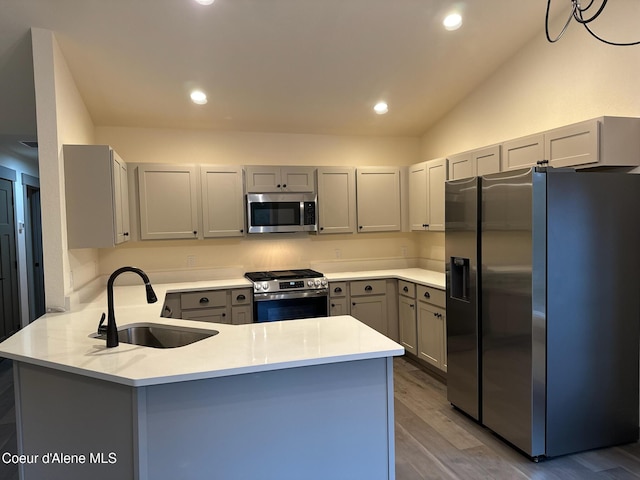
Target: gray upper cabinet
{"type": "Point", "coordinates": [336, 200]}
{"type": "Point", "coordinates": [487, 160]}
{"type": "Point", "coordinates": [426, 195]}
{"type": "Point", "coordinates": [522, 152]}
{"type": "Point", "coordinates": [266, 179]}
{"type": "Point", "coordinates": [461, 165]}
{"type": "Point", "coordinates": [603, 141]}
{"type": "Point", "coordinates": [222, 201]}
{"type": "Point", "coordinates": [378, 199]}
{"type": "Point", "coordinates": [96, 196]}
{"type": "Point", "coordinates": [168, 201]}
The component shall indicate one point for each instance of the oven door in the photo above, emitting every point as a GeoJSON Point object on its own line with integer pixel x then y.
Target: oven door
{"type": "Point", "coordinates": [271, 307]}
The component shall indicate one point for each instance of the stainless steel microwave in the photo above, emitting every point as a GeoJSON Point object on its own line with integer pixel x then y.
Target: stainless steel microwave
{"type": "Point", "coordinates": [282, 212]}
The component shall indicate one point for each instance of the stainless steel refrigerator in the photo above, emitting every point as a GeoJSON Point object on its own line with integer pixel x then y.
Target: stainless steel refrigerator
{"type": "Point", "coordinates": [543, 306]}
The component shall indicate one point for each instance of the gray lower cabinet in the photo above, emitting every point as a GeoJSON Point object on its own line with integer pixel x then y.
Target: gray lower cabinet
{"type": "Point", "coordinates": [407, 320]}
{"type": "Point", "coordinates": [338, 299]}
{"type": "Point", "coordinates": [369, 303]}
{"type": "Point", "coordinates": [432, 326]}
{"type": "Point", "coordinates": [232, 306]}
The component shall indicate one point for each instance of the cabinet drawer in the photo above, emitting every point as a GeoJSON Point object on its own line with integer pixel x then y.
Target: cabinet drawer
{"type": "Point", "coordinates": [203, 299]}
{"type": "Point", "coordinates": [241, 297]}
{"type": "Point", "coordinates": [338, 289]}
{"type": "Point", "coordinates": [215, 315]}
{"type": "Point", "coordinates": [368, 287]}
{"type": "Point", "coordinates": [431, 295]}
{"type": "Point", "coordinates": [407, 289]}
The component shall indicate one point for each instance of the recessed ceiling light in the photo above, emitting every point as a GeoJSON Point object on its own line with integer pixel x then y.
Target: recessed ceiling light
{"type": "Point", "coordinates": [453, 21]}
{"type": "Point", "coordinates": [381, 108]}
{"type": "Point", "coordinates": [205, 2]}
{"type": "Point", "coordinates": [199, 97]}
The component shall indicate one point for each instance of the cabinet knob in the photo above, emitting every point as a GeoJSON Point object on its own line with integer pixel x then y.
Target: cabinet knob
{"type": "Point", "coordinates": [405, 289]}
{"type": "Point", "coordinates": [368, 288]}
{"type": "Point", "coordinates": [353, 304]}
{"type": "Point", "coordinates": [337, 290]}
{"type": "Point", "coordinates": [427, 295]}
{"type": "Point", "coordinates": [224, 314]}
{"type": "Point", "coordinates": [278, 185]}
{"type": "Point", "coordinates": [126, 234]}
{"type": "Point", "coordinates": [333, 305]}
{"type": "Point", "coordinates": [284, 185]}
{"type": "Point", "coordinates": [204, 300]}
{"type": "Point", "coordinates": [195, 232]}
{"type": "Point", "coordinates": [360, 227]}
{"type": "Point", "coordinates": [321, 228]}
{"type": "Point", "coordinates": [242, 230]}
{"type": "Point", "coordinates": [241, 297]}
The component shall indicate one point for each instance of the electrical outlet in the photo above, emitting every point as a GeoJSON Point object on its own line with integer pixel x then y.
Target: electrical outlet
{"type": "Point", "coordinates": [191, 260]}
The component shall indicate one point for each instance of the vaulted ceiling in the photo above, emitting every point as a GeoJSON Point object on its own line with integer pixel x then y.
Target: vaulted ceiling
{"type": "Point", "coordinates": [266, 65]}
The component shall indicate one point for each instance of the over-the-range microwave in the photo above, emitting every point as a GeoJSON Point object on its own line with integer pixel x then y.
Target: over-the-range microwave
{"type": "Point", "coordinates": [282, 212]}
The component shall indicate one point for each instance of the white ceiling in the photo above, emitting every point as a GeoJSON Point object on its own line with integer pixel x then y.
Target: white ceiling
{"type": "Point", "coordinates": [269, 65]}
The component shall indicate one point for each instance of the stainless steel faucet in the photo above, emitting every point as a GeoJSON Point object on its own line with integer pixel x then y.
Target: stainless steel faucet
{"type": "Point", "coordinates": [112, 329]}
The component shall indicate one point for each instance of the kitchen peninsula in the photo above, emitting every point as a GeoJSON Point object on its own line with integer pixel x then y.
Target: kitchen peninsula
{"type": "Point", "coordinates": [308, 398]}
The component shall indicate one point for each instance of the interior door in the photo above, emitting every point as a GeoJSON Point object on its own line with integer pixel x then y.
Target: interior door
{"type": "Point", "coordinates": [9, 311]}
{"type": "Point", "coordinates": [35, 270]}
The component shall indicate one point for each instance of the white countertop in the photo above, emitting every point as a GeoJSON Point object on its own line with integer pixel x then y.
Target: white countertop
{"type": "Point", "coordinates": [63, 340]}
{"type": "Point", "coordinates": [428, 278]}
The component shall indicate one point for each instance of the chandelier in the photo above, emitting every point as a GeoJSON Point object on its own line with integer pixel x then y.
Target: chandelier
{"type": "Point", "coordinates": [583, 15]}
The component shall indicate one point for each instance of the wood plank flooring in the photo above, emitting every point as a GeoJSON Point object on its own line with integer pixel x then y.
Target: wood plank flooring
{"type": "Point", "coordinates": [433, 440]}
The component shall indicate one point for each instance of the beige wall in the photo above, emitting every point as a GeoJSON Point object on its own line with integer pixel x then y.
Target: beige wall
{"type": "Point", "coordinates": [62, 118]}
{"type": "Point", "coordinates": [137, 145]}
{"type": "Point", "coordinates": [545, 86]}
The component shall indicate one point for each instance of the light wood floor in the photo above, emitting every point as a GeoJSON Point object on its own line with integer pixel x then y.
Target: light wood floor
{"type": "Point", "coordinates": [433, 440]}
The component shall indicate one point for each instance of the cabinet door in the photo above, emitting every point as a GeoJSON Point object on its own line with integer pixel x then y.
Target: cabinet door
{"type": "Point", "coordinates": [487, 160]}
{"type": "Point", "coordinates": [378, 195]}
{"type": "Point", "coordinates": [168, 202]}
{"type": "Point", "coordinates": [418, 197]}
{"type": "Point", "coordinates": [263, 179]}
{"type": "Point", "coordinates": [572, 145]}
{"type": "Point", "coordinates": [298, 179]}
{"type": "Point", "coordinates": [523, 152]}
{"type": "Point", "coordinates": [242, 314]}
{"type": "Point", "coordinates": [336, 199]}
{"type": "Point", "coordinates": [222, 201]}
{"type": "Point", "coordinates": [371, 310]}
{"type": "Point", "coordinates": [461, 165]}
{"type": "Point", "coordinates": [338, 306]}
{"type": "Point", "coordinates": [436, 177]}
{"type": "Point", "coordinates": [407, 324]}
{"type": "Point", "coordinates": [444, 340]}
{"type": "Point", "coordinates": [431, 334]}
{"type": "Point", "coordinates": [120, 197]}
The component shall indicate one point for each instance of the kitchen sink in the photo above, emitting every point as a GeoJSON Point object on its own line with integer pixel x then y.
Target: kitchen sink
{"type": "Point", "coordinates": [160, 336]}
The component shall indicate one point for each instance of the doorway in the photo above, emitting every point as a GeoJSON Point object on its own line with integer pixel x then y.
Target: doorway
{"type": "Point", "coordinates": [9, 307]}
{"type": "Point", "coordinates": [33, 239]}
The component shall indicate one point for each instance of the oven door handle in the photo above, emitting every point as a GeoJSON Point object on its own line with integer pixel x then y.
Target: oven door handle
{"type": "Point", "coordinates": [263, 297]}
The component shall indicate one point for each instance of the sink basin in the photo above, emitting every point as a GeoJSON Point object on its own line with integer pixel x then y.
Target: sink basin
{"type": "Point", "coordinates": [161, 336]}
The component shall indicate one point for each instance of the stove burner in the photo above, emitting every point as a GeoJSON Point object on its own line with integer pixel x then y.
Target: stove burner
{"type": "Point", "coordinates": [282, 275]}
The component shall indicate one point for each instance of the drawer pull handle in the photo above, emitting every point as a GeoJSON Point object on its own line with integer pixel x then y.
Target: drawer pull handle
{"type": "Point", "coordinates": [337, 290]}
{"type": "Point", "coordinates": [204, 300]}
{"type": "Point", "coordinates": [405, 289]}
{"type": "Point", "coordinates": [427, 295]}
{"type": "Point", "coordinates": [411, 305]}
{"type": "Point", "coordinates": [368, 288]}
{"type": "Point", "coordinates": [241, 298]}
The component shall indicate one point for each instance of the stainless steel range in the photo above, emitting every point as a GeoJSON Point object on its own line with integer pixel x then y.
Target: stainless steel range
{"type": "Point", "coordinates": [289, 295]}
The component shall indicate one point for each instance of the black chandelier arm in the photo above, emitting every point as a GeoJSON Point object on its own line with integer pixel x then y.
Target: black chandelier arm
{"type": "Point", "coordinates": [577, 14]}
